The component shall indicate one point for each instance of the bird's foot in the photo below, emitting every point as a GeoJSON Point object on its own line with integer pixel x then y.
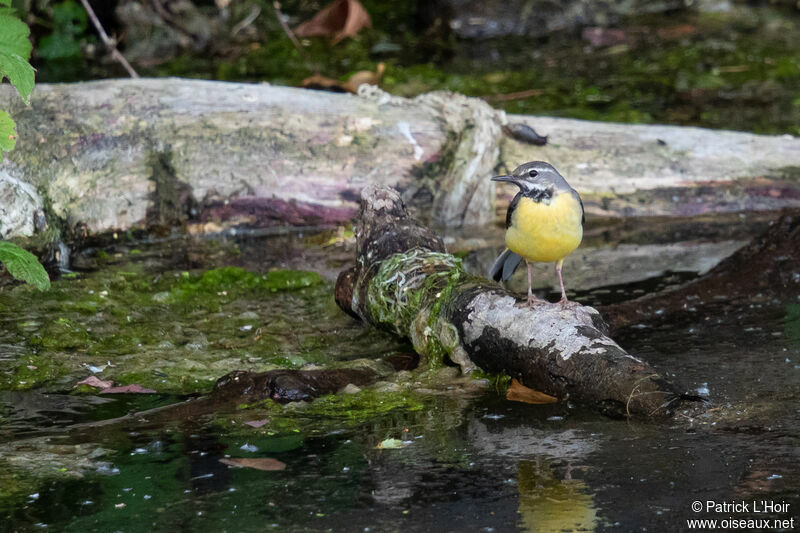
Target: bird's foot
{"type": "Point", "coordinates": [568, 304]}
{"type": "Point", "coordinates": [533, 301]}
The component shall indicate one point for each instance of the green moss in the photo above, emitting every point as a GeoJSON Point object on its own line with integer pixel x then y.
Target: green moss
{"type": "Point", "coordinates": [498, 382]}
{"type": "Point", "coordinates": [32, 371]}
{"type": "Point", "coordinates": [327, 413]}
{"type": "Point", "coordinates": [366, 404]}
{"type": "Point", "coordinates": [407, 296]}
{"type": "Point", "coordinates": [177, 331]}
{"type": "Point", "coordinates": [233, 282]}
{"type": "Point", "coordinates": [396, 293]}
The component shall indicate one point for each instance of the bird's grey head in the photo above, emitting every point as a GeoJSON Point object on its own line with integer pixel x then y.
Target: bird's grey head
{"type": "Point", "coordinates": [536, 176]}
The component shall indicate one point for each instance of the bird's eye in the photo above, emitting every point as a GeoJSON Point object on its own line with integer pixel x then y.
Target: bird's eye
{"type": "Point", "coordinates": [532, 173]}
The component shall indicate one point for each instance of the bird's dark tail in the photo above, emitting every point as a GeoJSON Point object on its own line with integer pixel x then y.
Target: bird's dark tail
{"type": "Point", "coordinates": [504, 265]}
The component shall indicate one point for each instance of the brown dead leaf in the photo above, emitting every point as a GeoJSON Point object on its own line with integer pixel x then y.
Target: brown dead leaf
{"type": "Point", "coordinates": [94, 381]}
{"type": "Point", "coordinates": [676, 32]}
{"type": "Point", "coordinates": [364, 76]}
{"type": "Point", "coordinates": [128, 389]}
{"type": "Point", "coordinates": [518, 392]}
{"type": "Point", "coordinates": [262, 463]}
{"type": "Point", "coordinates": [339, 19]}
{"type": "Point", "coordinates": [324, 83]}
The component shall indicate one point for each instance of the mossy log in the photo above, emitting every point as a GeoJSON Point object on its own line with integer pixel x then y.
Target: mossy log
{"type": "Point", "coordinates": [405, 282]}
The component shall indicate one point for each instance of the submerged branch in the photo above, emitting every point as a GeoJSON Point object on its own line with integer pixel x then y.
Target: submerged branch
{"type": "Point", "coordinates": [763, 270]}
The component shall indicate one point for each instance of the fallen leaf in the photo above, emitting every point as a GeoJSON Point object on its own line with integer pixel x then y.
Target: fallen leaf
{"type": "Point", "coordinates": [256, 423]}
{"type": "Point", "coordinates": [518, 392]}
{"type": "Point", "coordinates": [676, 32]}
{"type": "Point", "coordinates": [127, 389]}
{"type": "Point", "coordinates": [339, 19]}
{"type": "Point", "coordinates": [264, 463]}
{"type": "Point", "coordinates": [364, 76]}
{"type": "Point", "coordinates": [94, 381]}
{"type": "Point", "coordinates": [320, 82]}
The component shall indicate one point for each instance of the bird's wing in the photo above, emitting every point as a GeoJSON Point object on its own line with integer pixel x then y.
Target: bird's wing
{"type": "Point", "coordinates": [511, 207]}
{"type": "Point", "coordinates": [583, 213]}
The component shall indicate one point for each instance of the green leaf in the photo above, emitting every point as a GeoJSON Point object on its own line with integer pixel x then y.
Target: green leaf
{"type": "Point", "coordinates": [15, 49]}
{"type": "Point", "coordinates": [8, 133]}
{"type": "Point", "coordinates": [23, 265]}
{"type": "Point", "coordinates": [6, 3]}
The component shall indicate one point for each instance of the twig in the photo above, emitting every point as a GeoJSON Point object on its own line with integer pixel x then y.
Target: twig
{"type": "Point", "coordinates": [633, 391]}
{"type": "Point", "coordinates": [512, 96]}
{"type": "Point", "coordinates": [112, 48]}
{"type": "Point", "coordinates": [289, 33]}
{"type": "Point", "coordinates": [245, 22]}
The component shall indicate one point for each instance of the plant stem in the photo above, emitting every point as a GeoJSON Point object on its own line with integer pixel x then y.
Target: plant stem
{"type": "Point", "coordinates": [112, 48]}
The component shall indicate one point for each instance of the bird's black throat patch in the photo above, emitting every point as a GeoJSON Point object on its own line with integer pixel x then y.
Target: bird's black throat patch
{"type": "Point", "coordinates": [540, 195]}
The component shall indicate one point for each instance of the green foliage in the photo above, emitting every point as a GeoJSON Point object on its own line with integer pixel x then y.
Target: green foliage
{"type": "Point", "coordinates": [23, 265]}
{"type": "Point", "coordinates": [8, 133]}
{"type": "Point", "coordinates": [15, 50]}
{"type": "Point", "coordinates": [69, 25]}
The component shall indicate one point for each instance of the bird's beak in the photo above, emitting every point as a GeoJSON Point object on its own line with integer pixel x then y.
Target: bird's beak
{"type": "Point", "coordinates": [504, 178]}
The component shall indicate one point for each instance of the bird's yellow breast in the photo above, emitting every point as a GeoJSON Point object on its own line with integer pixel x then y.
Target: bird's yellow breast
{"type": "Point", "coordinates": [545, 232]}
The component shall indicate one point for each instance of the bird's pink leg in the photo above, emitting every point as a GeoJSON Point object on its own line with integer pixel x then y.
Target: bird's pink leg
{"type": "Point", "coordinates": [564, 299]}
{"type": "Point", "coordinates": [532, 300]}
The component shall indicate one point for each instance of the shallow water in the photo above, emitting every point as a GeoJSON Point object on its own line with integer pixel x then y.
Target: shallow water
{"type": "Point", "coordinates": [465, 459]}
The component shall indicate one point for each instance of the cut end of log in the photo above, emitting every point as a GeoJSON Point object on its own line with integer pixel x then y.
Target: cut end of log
{"type": "Point", "coordinates": [343, 291]}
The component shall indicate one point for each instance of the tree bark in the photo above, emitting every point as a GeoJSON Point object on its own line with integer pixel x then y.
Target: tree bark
{"type": "Point", "coordinates": [405, 282]}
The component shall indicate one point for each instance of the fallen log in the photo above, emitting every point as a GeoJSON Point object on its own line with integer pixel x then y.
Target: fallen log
{"type": "Point", "coordinates": [239, 386]}
{"type": "Point", "coordinates": [406, 283]}
{"type": "Point", "coordinates": [112, 155]}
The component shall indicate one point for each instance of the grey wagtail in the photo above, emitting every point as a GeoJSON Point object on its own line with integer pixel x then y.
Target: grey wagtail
{"type": "Point", "coordinates": [544, 222]}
